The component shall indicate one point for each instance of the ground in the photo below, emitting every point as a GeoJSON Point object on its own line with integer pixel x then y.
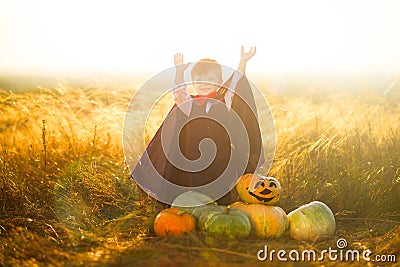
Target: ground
{"type": "Point", "coordinates": [67, 200]}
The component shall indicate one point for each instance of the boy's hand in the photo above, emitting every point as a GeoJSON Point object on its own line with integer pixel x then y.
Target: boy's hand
{"type": "Point", "coordinates": [245, 56]}
{"type": "Point", "coordinates": [180, 62]}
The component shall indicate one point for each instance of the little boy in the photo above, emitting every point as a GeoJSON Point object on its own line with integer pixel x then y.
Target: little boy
{"type": "Point", "coordinates": [208, 115]}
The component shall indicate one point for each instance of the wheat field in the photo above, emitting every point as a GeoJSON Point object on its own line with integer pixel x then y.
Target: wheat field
{"type": "Point", "coordinates": [67, 200]}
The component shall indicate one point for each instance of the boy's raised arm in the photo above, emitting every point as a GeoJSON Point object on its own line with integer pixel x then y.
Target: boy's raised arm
{"type": "Point", "coordinates": [180, 68]}
{"type": "Point", "coordinates": [181, 96]}
{"type": "Point", "coordinates": [245, 56]}
{"type": "Point", "coordinates": [237, 75]}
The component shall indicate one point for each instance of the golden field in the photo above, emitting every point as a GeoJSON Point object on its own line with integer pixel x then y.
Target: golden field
{"type": "Point", "coordinates": [67, 200]}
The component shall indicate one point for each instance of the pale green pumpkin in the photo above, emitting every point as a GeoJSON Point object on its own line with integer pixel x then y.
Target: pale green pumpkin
{"type": "Point", "coordinates": [311, 221]}
{"type": "Point", "coordinates": [194, 203]}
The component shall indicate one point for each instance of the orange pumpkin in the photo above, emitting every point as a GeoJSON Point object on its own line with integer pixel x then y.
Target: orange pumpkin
{"type": "Point", "coordinates": [266, 221]}
{"type": "Point", "coordinates": [253, 188]}
{"type": "Point", "coordinates": [173, 222]}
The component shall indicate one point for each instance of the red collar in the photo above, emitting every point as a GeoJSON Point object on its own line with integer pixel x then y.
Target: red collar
{"type": "Point", "coordinates": [201, 99]}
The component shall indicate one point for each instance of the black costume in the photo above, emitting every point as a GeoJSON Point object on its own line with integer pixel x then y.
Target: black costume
{"type": "Point", "coordinates": [195, 129]}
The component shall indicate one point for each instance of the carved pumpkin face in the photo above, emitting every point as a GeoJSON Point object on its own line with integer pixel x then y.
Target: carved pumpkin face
{"type": "Point", "coordinates": [253, 188]}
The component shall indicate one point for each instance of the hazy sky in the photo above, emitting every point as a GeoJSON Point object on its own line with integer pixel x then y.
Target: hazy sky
{"type": "Point", "coordinates": [296, 36]}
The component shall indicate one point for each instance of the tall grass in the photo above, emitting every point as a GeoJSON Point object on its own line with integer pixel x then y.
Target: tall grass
{"type": "Point", "coordinates": [344, 150]}
{"type": "Point", "coordinates": [65, 191]}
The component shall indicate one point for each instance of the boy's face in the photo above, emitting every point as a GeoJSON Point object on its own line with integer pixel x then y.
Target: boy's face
{"type": "Point", "coordinates": [206, 83]}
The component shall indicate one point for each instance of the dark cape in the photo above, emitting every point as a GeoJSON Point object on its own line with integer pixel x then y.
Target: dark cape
{"type": "Point", "coordinates": [195, 129]}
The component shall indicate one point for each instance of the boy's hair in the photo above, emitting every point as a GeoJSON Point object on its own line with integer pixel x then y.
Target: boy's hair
{"type": "Point", "coordinates": [204, 66]}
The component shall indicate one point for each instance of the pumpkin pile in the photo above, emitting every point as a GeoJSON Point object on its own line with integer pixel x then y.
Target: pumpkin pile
{"type": "Point", "coordinates": [256, 215]}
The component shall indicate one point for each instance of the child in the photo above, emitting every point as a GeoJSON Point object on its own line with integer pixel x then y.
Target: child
{"type": "Point", "coordinates": [217, 113]}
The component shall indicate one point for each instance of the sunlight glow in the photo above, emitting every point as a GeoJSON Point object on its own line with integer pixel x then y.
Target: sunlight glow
{"type": "Point", "coordinates": [294, 36]}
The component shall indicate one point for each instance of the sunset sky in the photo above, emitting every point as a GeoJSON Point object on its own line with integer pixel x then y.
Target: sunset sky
{"type": "Point", "coordinates": [122, 36]}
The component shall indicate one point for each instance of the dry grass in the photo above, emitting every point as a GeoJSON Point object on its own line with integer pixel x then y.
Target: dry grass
{"type": "Point", "coordinates": [66, 198]}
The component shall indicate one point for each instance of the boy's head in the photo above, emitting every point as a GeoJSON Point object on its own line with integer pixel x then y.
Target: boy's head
{"type": "Point", "coordinates": [206, 76]}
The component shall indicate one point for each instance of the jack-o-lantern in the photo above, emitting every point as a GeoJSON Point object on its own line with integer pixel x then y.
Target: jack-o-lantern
{"type": "Point", "coordinates": [253, 188]}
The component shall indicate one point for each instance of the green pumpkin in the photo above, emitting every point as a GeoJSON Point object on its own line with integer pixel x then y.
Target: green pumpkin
{"type": "Point", "coordinates": [228, 222]}
{"type": "Point", "coordinates": [194, 203]}
{"type": "Point", "coordinates": [311, 221]}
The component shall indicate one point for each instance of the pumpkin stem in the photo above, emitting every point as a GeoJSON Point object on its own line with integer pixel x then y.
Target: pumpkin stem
{"type": "Point", "coordinates": [226, 211]}
{"type": "Point", "coordinates": [180, 212]}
